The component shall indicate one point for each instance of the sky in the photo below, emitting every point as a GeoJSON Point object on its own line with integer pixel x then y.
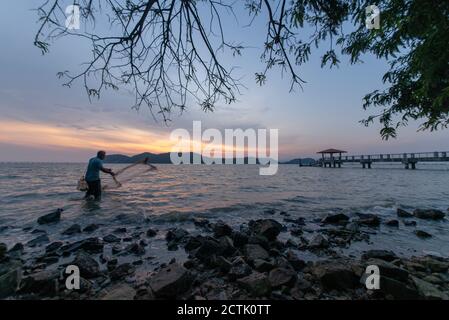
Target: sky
{"type": "Point", "coordinates": [41, 120]}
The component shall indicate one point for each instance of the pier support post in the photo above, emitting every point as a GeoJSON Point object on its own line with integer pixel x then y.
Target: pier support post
{"type": "Point", "coordinates": [406, 166]}
{"type": "Point", "coordinates": [369, 165]}
{"type": "Point", "coordinates": [413, 165]}
{"type": "Point", "coordinates": [363, 165]}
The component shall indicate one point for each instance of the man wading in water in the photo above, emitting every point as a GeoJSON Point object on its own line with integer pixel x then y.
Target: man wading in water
{"type": "Point", "coordinates": [93, 175]}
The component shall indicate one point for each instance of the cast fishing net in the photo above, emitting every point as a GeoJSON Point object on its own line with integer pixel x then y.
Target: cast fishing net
{"type": "Point", "coordinates": [127, 174]}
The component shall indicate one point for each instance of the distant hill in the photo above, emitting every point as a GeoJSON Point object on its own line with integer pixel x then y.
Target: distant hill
{"type": "Point", "coordinates": [153, 158]}
{"type": "Point", "coordinates": [303, 161]}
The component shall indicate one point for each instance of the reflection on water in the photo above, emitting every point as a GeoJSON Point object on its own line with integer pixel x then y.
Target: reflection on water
{"type": "Point", "coordinates": [234, 193]}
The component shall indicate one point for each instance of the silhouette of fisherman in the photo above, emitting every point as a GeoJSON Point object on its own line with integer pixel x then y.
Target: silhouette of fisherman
{"type": "Point", "coordinates": [92, 176]}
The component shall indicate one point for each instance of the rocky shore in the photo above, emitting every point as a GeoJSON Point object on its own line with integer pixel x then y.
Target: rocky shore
{"type": "Point", "coordinates": [223, 262]}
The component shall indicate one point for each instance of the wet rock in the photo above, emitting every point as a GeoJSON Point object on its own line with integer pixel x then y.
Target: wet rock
{"type": "Point", "coordinates": [334, 275]}
{"type": "Point", "coordinates": [51, 217]}
{"type": "Point", "coordinates": [428, 290]}
{"type": "Point", "coordinates": [74, 229]}
{"type": "Point", "coordinates": [120, 230]}
{"type": "Point", "coordinates": [422, 234]}
{"type": "Point", "coordinates": [89, 267]}
{"type": "Point", "coordinates": [268, 228]}
{"type": "Point", "coordinates": [3, 250]}
{"type": "Point", "coordinates": [194, 243]}
{"type": "Point", "coordinates": [38, 241]}
{"type": "Point", "coordinates": [120, 291]}
{"type": "Point", "coordinates": [170, 281]}
{"type": "Point", "coordinates": [221, 229]}
{"type": "Point", "coordinates": [282, 277]}
{"type": "Point", "coordinates": [318, 242]}
{"type": "Point", "coordinates": [398, 290]}
{"type": "Point", "coordinates": [368, 219]}
{"type": "Point", "coordinates": [255, 251]}
{"type": "Point", "coordinates": [256, 284]}
{"type": "Point", "coordinates": [434, 264]}
{"type": "Point", "coordinates": [392, 223]}
{"type": "Point", "coordinates": [260, 240]}
{"type": "Point", "coordinates": [176, 234]}
{"type": "Point", "coordinates": [91, 227]}
{"type": "Point", "coordinates": [200, 222]}
{"type": "Point", "coordinates": [239, 269]}
{"type": "Point", "coordinates": [10, 278]}
{"type": "Point", "coordinates": [135, 248]}
{"type": "Point", "coordinates": [385, 255]}
{"type": "Point", "coordinates": [239, 239]}
{"type": "Point", "coordinates": [410, 223]}
{"type": "Point", "coordinates": [43, 282]}
{"type": "Point", "coordinates": [227, 246]}
{"type": "Point", "coordinates": [91, 245]}
{"type": "Point", "coordinates": [151, 233]}
{"type": "Point", "coordinates": [403, 214]}
{"type": "Point", "coordinates": [263, 265]}
{"type": "Point", "coordinates": [36, 231]}
{"type": "Point", "coordinates": [18, 247]}
{"type": "Point", "coordinates": [293, 259]}
{"type": "Point", "coordinates": [53, 247]}
{"type": "Point", "coordinates": [208, 248]}
{"type": "Point", "coordinates": [110, 238]}
{"type": "Point", "coordinates": [352, 227]}
{"type": "Point", "coordinates": [111, 264]}
{"type": "Point", "coordinates": [336, 218]}
{"type": "Point", "coordinates": [122, 271]}
{"type": "Point", "coordinates": [388, 269]}
{"type": "Point", "coordinates": [429, 214]}
{"type": "Point", "coordinates": [222, 263]}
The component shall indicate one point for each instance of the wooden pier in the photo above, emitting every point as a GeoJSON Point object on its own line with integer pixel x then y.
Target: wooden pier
{"type": "Point", "coordinates": [335, 158]}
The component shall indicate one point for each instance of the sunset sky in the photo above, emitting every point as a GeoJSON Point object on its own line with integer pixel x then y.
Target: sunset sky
{"type": "Point", "coordinates": [40, 120]}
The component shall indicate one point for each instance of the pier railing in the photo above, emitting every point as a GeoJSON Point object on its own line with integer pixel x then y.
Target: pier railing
{"type": "Point", "coordinates": [405, 158]}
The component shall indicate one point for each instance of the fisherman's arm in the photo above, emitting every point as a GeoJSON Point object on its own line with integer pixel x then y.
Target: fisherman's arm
{"type": "Point", "coordinates": [106, 170]}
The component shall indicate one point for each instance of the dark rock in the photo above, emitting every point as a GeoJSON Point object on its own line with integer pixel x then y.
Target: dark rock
{"type": "Point", "coordinates": [222, 263]}
{"type": "Point", "coordinates": [208, 248]}
{"type": "Point", "coordinates": [172, 246]}
{"type": "Point", "coordinates": [239, 269]}
{"type": "Point", "coordinates": [151, 233]}
{"type": "Point", "coordinates": [110, 238]}
{"type": "Point", "coordinates": [256, 284]}
{"type": "Point", "coordinates": [51, 217]}
{"type": "Point", "coordinates": [334, 275]}
{"type": "Point", "coordinates": [388, 269]}
{"type": "Point", "coordinates": [239, 238]}
{"type": "Point", "coordinates": [293, 259]}
{"type": "Point", "coordinates": [263, 265]}
{"type": "Point", "coordinates": [431, 214]}
{"type": "Point", "coordinates": [170, 281]}
{"type": "Point", "coordinates": [43, 282]}
{"type": "Point", "coordinates": [385, 255]}
{"type": "Point", "coordinates": [74, 229]}
{"type": "Point", "coordinates": [89, 268]}
{"type": "Point", "coordinates": [403, 214]}
{"type": "Point", "coordinates": [227, 246]}
{"type": "Point", "coordinates": [201, 222]}
{"type": "Point", "coordinates": [122, 271]}
{"type": "Point", "coordinates": [397, 289]}
{"type": "Point", "coordinates": [368, 219]}
{"type": "Point", "coordinates": [336, 218]}
{"type": "Point", "coordinates": [318, 242]}
{"type": "Point", "coordinates": [221, 229]}
{"type": "Point", "coordinates": [194, 243]}
{"type": "Point", "coordinates": [260, 240]}
{"type": "Point", "coordinates": [296, 232]}
{"type": "Point", "coordinates": [111, 264]}
{"type": "Point", "coordinates": [135, 248]}
{"type": "Point", "coordinates": [38, 241]}
{"type": "Point", "coordinates": [10, 277]}
{"type": "Point", "coordinates": [255, 251]}
{"type": "Point", "coordinates": [428, 290]}
{"type": "Point", "coordinates": [54, 246]}
{"type": "Point", "coordinates": [434, 264]}
{"type": "Point", "coordinates": [392, 223]}
{"type": "Point", "coordinates": [3, 250]}
{"type": "Point", "coordinates": [298, 221]}
{"type": "Point", "coordinates": [91, 245]}
{"type": "Point", "coordinates": [282, 277]}
{"type": "Point", "coordinates": [268, 228]}
{"type": "Point", "coordinates": [36, 231]}
{"type": "Point", "coordinates": [410, 223]}
{"type": "Point", "coordinates": [352, 227]}
{"type": "Point", "coordinates": [91, 227]}
{"type": "Point", "coordinates": [176, 234]}
{"type": "Point", "coordinates": [17, 247]}
{"type": "Point", "coordinates": [120, 291]}
{"type": "Point", "coordinates": [422, 234]}
{"type": "Point", "coordinates": [120, 230]}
